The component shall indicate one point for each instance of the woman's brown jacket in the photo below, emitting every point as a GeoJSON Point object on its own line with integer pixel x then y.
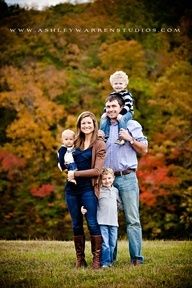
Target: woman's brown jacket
{"type": "Point", "coordinates": [97, 164]}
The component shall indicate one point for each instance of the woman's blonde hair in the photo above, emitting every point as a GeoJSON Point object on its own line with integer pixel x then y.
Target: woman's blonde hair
{"type": "Point", "coordinates": [80, 136]}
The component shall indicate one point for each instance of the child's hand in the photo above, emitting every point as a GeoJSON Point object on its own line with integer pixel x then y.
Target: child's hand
{"type": "Point", "coordinates": [83, 210]}
{"type": "Point", "coordinates": [119, 117]}
{"type": "Point", "coordinates": [104, 115]}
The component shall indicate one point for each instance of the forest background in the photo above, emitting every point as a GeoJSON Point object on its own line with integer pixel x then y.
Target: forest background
{"type": "Point", "coordinates": [55, 64]}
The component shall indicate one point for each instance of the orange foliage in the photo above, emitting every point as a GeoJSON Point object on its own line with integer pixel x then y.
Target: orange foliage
{"type": "Point", "coordinates": [10, 163]}
{"type": "Point", "coordinates": [154, 177]}
{"type": "Point", "coordinates": [42, 191]}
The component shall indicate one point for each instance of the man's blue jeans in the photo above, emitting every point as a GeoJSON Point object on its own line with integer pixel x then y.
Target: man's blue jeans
{"type": "Point", "coordinates": [89, 201]}
{"type": "Point", "coordinates": [109, 235]}
{"type": "Point", "coordinates": [129, 193]}
{"type": "Point", "coordinates": [105, 123]}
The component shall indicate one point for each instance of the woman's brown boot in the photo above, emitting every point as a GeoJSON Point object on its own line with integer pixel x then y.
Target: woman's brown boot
{"type": "Point", "coordinates": [96, 242]}
{"type": "Point", "coordinates": [80, 251]}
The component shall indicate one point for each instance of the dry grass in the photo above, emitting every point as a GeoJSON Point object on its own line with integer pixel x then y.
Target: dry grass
{"type": "Point", "coordinates": [46, 264]}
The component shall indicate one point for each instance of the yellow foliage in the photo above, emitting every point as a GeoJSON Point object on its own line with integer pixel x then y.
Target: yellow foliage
{"type": "Point", "coordinates": [71, 121]}
{"type": "Point", "coordinates": [126, 55]}
{"type": "Point", "coordinates": [174, 89]}
{"type": "Point", "coordinates": [28, 95]}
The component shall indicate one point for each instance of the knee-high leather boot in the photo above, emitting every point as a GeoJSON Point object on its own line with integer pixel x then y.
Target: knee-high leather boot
{"type": "Point", "coordinates": [79, 242]}
{"type": "Point", "coordinates": [96, 242]}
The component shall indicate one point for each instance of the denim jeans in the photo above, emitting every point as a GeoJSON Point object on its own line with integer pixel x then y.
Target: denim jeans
{"type": "Point", "coordinates": [89, 201]}
{"type": "Point", "coordinates": [109, 235]}
{"type": "Point", "coordinates": [72, 166]}
{"type": "Point", "coordinates": [123, 121]}
{"type": "Point", "coordinates": [129, 193]}
{"type": "Point", "coordinates": [105, 123]}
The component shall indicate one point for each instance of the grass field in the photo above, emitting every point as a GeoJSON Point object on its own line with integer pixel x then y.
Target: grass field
{"type": "Point", "coordinates": [45, 264]}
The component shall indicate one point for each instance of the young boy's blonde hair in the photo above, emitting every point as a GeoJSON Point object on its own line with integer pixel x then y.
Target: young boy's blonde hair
{"type": "Point", "coordinates": [119, 75]}
{"type": "Point", "coordinates": [107, 171]}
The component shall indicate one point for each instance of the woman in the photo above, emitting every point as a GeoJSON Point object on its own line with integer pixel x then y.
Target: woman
{"type": "Point", "coordinates": [89, 156]}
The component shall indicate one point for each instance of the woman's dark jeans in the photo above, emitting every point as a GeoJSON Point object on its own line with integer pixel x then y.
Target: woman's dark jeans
{"type": "Point", "coordinates": [89, 201]}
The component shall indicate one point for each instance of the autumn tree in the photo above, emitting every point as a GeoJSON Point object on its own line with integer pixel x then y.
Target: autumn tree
{"type": "Point", "coordinates": [48, 78]}
{"type": "Point", "coordinates": [31, 146]}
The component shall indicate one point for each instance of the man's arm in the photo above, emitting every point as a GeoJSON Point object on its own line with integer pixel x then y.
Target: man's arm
{"type": "Point", "coordinates": [135, 137]}
{"type": "Point", "coordinates": [139, 147]}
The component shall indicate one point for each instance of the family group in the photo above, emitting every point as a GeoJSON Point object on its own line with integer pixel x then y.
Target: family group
{"type": "Point", "coordinates": [101, 164]}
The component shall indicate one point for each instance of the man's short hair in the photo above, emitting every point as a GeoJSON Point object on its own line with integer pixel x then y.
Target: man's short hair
{"type": "Point", "coordinates": [115, 96]}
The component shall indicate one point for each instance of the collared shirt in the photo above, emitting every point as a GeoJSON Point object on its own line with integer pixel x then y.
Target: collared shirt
{"type": "Point", "coordinates": [122, 157]}
{"type": "Point", "coordinates": [107, 206]}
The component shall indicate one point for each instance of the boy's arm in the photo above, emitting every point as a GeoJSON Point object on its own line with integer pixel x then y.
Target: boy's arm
{"type": "Point", "coordinates": [128, 102]}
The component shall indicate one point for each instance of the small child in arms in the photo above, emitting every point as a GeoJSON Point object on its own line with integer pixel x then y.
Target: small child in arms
{"type": "Point", "coordinates": [65, 152]}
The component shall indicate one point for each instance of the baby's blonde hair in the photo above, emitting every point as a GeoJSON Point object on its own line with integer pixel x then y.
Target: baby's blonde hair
{"type": "Point", "coordinates": [69, 131]}
{"type": "Point", "coordinates": [117, 75]}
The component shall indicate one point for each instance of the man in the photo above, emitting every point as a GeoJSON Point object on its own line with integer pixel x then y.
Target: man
{"type": "Point", "coordinates": [123, 160]}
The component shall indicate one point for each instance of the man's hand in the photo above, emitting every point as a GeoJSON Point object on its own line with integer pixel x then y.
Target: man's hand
{"type": "Point", "coordinates": [139, 147]}
{"type": "Point", "coordinates": [124, 134]}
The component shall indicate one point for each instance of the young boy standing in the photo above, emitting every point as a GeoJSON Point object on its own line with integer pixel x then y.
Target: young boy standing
{"type": "Point", "coordinates": [107, 216]}
{"type": "Point", "coordinates": [119, 82]}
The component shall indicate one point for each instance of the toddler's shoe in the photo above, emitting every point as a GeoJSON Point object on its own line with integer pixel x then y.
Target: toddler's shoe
{"type": "Point", "coordinates": [105, 266]}
{"type": "Point", "coordinates": [120, 142]}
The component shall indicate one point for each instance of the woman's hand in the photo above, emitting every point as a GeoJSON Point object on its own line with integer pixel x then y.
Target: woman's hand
{"type": "Point", "coordinates": [70, 176]}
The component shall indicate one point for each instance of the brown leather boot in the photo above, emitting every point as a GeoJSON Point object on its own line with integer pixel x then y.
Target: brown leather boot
{"type": "Point", "coordinates": [80, 251]}
{"type": "Point", "coordinates": [96, 242]}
